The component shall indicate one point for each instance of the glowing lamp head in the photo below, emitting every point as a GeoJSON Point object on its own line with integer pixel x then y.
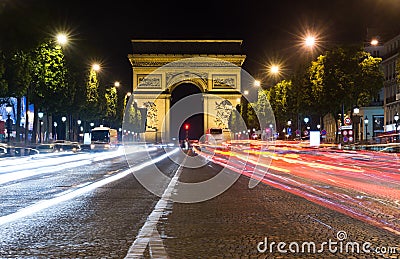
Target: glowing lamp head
{"type": "Point", "coordinates": [310, 41]}
{"type": "Point", "coordinates": [374, 42]}
{"type": "Point", "coordinates": [187, 126]}
{"type": "Point", "coordinates": [8, 108]}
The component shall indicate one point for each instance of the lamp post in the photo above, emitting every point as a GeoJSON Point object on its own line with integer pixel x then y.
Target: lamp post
{"type": "Point", "coordinates": [9, 122]}
{"type": "Point", "coordinates": [79, 128]}
{"type": "Point", "coordinates": [64, 119]}
{"type": "Point", "coordinates": [40, 115]}
{"type": "Point", "coordinates": [271, 128]}
{"type": "Point", "coordinates": [23, 126]}
{"type": "Point", "coordinates": [306, 120]}
{"type": "Point", "coordinates": [366, 128]}
{"type": "Point", "coordinates": [55, 130]}
{"type": "Point", "coordinates": [289, 130]}
{"type": "Point", "coordinates": [356, 111]}
{"type": "Point", "coordinates": [396, 119]}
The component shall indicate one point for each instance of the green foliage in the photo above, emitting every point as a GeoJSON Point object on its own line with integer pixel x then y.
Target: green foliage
{"type": "Point", "coordinates": [252, 119]}
{"type": "Point", "coordinates": [346, 76]}
{"type": "Point", "coordinates": [279, 97]}
{"type": "Point", "coordinates": [235, 122]}
{"type": "Point", "coordinates": [134, 118]}
{"type": "Point", "coordinates": [3, 81]}
{"type": "Point", "coordinates": [18, 73]}
{"type": "Point", "coordinates": [49, 78]}
{"type": "Point", "coordinates": [263, 109]}
{"type": "Point", "coordinates": [111, 102]}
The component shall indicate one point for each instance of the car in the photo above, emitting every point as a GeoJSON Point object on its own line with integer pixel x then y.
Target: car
{"type": "Point", "coordinates": [391, 149]}
{"type": "Point", "coordinates": [46, 148]}
{"type": "Point", "coordinates": [68, 146]}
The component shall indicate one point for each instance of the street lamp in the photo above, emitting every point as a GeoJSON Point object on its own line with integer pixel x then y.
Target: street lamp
{"type": "Point", "coordinates": [274, 69]}
{"type": "Point", "coordinates": [356, 111]}
{"type": "Point", "coordinates": [9, 122]}
{"type": "Point", "coordinates": [271, 128]}
{"type": "Point", "coordinates": [96, 67]}
{"type": "Point", "coordinates": [62, 39]}
{"type": "Point", "coordinates": [55, 130]}
{"type": "Point", "coordinates": [289, 129]}
{"type": "Point", "coordinates": [374, 42]}
{"type": "Point", "coordinates": [64, 119]}
{"type": "Point", "coordinates": [366, 128]}
{"type": "Point", "coordinates": [40, 114]}
{"type": "Point", "coordinates": [79, 128]}
{"type": "Point", "coordinates": [23, 126]}
{"type": "Point", "coordinates": [396, 119]}
{"type": "Point", "coordinates": [309, 41]}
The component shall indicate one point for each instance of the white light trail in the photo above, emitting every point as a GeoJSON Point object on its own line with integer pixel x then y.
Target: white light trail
{"type": "Point", "coordinates": [44, 204]}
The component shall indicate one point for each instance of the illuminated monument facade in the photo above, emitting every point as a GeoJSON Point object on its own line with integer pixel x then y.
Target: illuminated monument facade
{"type": "Point", "coordinates": [167, 71]}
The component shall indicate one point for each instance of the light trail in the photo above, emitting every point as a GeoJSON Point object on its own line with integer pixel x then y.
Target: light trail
{"type": "Point", "coordinates": [44, 204]}
{"type": "Point", "coordinates": [364, 185]}
{"type": "Point", "coordinates": [33, 167]}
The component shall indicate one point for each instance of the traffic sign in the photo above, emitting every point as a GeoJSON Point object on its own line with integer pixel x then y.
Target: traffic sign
{"type": "Point", "coordinates": [344, 132]}
{"type": "Point", "coordinates": [345, 139]}
{"type": "Point", "coordinates": [347, 121]}
{"type": "Point", "coordinates": [351, 139]}
{"type": "Point", "coordinates": [323, 132]}
{"type": "Point", "coordinates": [350, 132]}
{"type": "Point", "coordinates": [306, 133]}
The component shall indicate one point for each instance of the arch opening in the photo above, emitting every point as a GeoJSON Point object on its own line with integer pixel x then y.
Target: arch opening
{"type": "Point", "coordinates": [191, 115]}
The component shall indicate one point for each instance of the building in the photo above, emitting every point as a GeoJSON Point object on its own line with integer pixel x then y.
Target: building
{"type": "Point", "coordinates": [390, 65]}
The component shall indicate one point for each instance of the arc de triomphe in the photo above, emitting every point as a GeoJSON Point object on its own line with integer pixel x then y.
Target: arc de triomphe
{"type": "Point", "coordinates": [160, 67]}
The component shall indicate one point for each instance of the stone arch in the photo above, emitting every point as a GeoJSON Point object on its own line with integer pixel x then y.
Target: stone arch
{"type": "Point", "coordinates": [177, 78]}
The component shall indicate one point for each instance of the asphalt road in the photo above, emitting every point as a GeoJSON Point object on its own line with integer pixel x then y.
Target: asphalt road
{"type": "Point", "coordinates": [119, 207]}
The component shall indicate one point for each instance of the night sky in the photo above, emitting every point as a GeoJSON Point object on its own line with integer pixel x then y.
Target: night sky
{"type": "Point", "coordinates": [270, 30]}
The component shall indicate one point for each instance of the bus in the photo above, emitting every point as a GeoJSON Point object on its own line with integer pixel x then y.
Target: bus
{"type": "Point", "coordinates": [103, 138]}
{"type": "Point", "coordinates": [214, 136]}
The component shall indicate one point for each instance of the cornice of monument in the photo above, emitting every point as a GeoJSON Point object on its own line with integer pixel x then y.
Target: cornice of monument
{"type": "Point", "coordinates": [183, 60]}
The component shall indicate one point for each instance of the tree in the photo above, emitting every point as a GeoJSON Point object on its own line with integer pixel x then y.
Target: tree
{"type": "Point", "coordinates": [18, 76]}
{"type": "Point", "coordinates": [236, 123]}
{"type": "Point", "coordinates": [279, 97]}
{"type": "Point", "coordinates": [111, 103]}
{"type": "Point", "coordinates": [49, 83]}
{"type": "Point", "coordinates": [135, 119]}
{"type": "Point", "coordinates": [252, 119]}
{"type": "Point", "coordinates": [91, 108]}
{"type": "Point", "coordinates": [3, 81]}
{"type": "Point", "coordinates": [264, 110]}
{"type": "Point", "coordinates": [344, 77]}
